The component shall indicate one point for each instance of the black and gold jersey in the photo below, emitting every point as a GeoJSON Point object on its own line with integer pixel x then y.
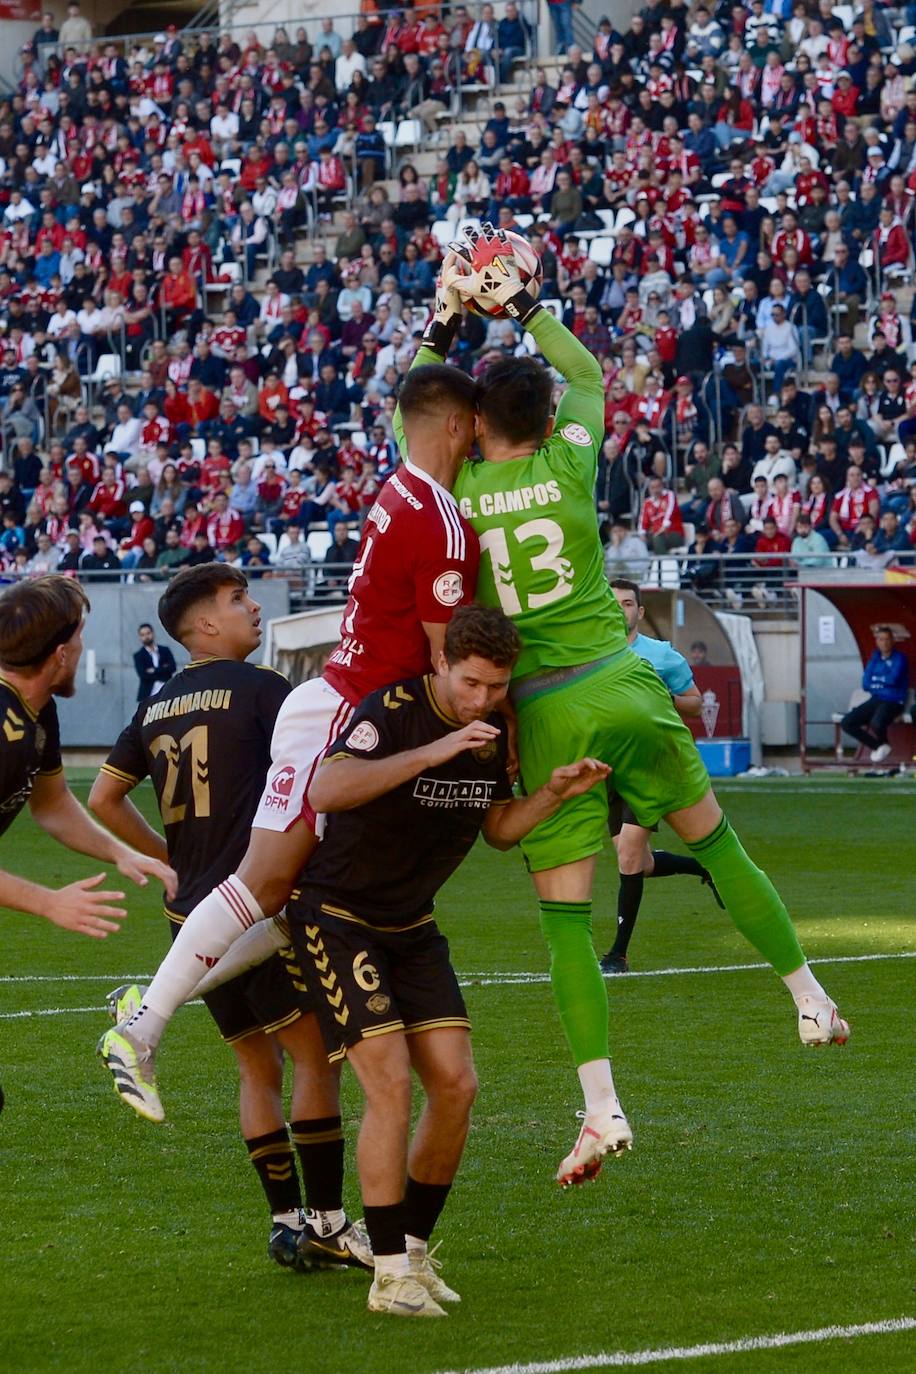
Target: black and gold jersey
{"type": "Point", "coordinates": [385, 861]}
{"type": "Point", "coordinates": [204, 740]}
{"type": "Point", "coordinates": [29, 745]}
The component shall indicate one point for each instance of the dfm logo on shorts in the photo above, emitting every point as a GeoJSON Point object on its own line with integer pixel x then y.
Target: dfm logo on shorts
{"type": "Point", "coordinates": [281, 786]}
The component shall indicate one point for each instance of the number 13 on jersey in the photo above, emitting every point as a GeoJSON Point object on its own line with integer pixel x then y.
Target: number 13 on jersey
{"type": "Point", "coordinates": [514, 597]}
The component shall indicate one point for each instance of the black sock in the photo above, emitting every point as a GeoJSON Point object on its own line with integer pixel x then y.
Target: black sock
{"type": "Point", "coordinates": [275, 1165]}
{"type": "Point", "coordinates": [320, 1144]}
{"type": "Point", "coordinates": [666, 865]}
{"type": "Point", "coordinates": [629, 897]}
{"type": "Point", "coordinates": [386, 1229]}
{"type": "Point", "coordinates": [423, 1203]}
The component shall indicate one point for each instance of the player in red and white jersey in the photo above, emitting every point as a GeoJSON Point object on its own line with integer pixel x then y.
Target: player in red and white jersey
{"type": "Point", "coordinates": [417, 561]}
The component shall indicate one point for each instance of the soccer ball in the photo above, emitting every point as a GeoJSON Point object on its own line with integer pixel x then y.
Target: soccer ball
{"type": "Point", "coordinates": [530, 268]}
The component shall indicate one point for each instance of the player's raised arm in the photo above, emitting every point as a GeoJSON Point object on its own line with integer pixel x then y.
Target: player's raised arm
{"type": "Point", "coordinates": [486, 271]}
{"type": "Point", "coordinates": [437, 340]}
{"type": "Point", "coordinates": [507, 824]}
{"type": "Point", "coordinates": [345, 781]}
{"type": "Point", "coordinates": [59, 813]}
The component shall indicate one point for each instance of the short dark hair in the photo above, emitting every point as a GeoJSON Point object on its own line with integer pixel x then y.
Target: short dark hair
{"type": "Point", "coordinates": [623, 584]}
{"type": "Point", "coordinates": [514, 397]}
{"type": "Point", "coordinates": [144, 625]}
{"type": "Point", "coordinates": [189, 588]}
{"type": "Point", "coordinates": [884, 629]}
{"type": "Point", "coordinates": [484, 632]}
{"type": "Point", "coordinates": [37, 617]}
{"type": "Point", "coordinates": [427, 389]}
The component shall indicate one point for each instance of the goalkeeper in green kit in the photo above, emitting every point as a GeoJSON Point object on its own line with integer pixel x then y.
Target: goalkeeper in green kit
{"type": "Point", "coordinates": [577, 688]}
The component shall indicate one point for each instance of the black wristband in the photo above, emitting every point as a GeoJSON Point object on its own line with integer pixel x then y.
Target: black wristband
{"type": "Point", "coordinates": [521, 307]}
{"type": "Point", "coordinates": [438, 336]}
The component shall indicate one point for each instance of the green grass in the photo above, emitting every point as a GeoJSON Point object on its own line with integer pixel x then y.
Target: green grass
{"type": "Point", "coordinates": [770, 1188]}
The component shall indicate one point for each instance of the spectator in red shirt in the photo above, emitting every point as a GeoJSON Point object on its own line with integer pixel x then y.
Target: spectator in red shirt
{"type": "Point", "coordinates": [213, 467]}
{"type": "Point", "coordinates": [177, 295]}
{"type": "Point", "coordinates": [770, 555]}
{"type": "Point", "coordinates": [141, 528]}
{"type": "Point", "coordinates": [203, 405]}
{"type": "Point", "coordinates": [660, 521]}
{"type": "Point", "coordinates": [225, 527]}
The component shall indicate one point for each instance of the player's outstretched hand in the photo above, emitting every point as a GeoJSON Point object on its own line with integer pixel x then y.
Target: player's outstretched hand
{"type": "Point", "coordinates": [80, 908]}
{"type": "Point", "coordinates": [576, 778]}
{"type": "Point", "coordinates": [474, 736]}
{"type": "Point", "coordinates": [139, 868]}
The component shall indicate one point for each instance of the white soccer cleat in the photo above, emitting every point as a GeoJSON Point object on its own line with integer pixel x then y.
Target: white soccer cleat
{"type": "Point", "coordinates": [819, 1022]}
{"type": "Point", "coordinates": [402, 1295]}
{"type": "Point", "coordinates": [423, 1266]}
{"type": "Point", "coordinates": [132, 1066]}
{"type": "Point", "coordinates": [880, 754]}
{"type": "Point", "coordinates": [605, 1132]}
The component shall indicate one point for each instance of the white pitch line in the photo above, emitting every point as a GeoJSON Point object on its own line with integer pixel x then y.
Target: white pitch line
{"type": "Point", "coordinates": [628, 1359]}
{"type": "Point", "coordinates": [508, 979]}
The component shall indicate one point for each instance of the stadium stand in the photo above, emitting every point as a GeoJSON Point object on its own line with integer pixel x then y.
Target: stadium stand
{"type": "Point", "coordinates": [216, 258]}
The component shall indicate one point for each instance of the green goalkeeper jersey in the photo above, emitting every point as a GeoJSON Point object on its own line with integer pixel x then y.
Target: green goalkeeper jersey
{"type": "Point", "coordinates": [541, 559]}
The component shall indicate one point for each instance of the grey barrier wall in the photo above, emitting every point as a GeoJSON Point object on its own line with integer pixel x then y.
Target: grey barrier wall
{"type": "Point", "coordinates": [96, 715]}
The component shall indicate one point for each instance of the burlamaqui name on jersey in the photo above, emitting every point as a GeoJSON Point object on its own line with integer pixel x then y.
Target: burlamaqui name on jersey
{"type": "Point", "coordinates": [216, 700]}
{"type": "Point", "coordinates": [439, 792]}
{"type": "Point", "coordinates": [506, 502]}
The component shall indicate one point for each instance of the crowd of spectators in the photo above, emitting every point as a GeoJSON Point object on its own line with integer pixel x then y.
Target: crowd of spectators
{"type": "Point", "coordinates": [747, 156]}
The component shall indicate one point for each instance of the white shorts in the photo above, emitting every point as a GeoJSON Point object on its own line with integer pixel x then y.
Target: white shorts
{"type": "Point", "coordinates": [310, 720]}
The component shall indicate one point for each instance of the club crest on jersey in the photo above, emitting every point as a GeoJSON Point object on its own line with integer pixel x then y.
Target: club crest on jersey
{"type": "Point", "coordinates": [485, 752]}
{"type": "Point", "coordinates": [577, 434]}
{"type": "Point", "coordinates": [448, 588]}
{"type": "Point", "coordinates": [363, 736]}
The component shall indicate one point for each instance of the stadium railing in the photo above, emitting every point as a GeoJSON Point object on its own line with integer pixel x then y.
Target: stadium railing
{"type": "Point", "coordinates": [311, 587]}
{"type": "Point", "coordinates": [753, 584]}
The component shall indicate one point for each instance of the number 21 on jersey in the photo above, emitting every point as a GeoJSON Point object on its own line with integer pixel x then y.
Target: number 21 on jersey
{"type": "Point", "coordinates": [495, 543]}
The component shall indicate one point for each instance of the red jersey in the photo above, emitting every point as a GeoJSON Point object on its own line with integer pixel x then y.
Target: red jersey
{"type": "Point", "coordinates": [417, 561]}
{"type": "Point", "coordinates": [658, 517]}
{"type": "Point", "coordinates": [850, 505]}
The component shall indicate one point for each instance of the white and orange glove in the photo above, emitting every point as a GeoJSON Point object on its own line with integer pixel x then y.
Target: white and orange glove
{"type": "Point", "coordinates": [445, 320]}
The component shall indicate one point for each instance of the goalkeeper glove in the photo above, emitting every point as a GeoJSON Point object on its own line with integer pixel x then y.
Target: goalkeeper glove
{"type": "Point", "coordinates": [446, 317]}
{"type": "Point", "coordinates": [494, 278]}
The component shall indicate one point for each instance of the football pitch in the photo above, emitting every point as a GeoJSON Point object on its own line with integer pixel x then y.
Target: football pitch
{"type": "Point", "coordinates": [769, 1192]}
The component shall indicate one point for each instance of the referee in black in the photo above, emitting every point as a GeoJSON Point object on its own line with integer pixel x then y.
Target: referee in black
{"type": "Point", "coordinates": [419, 772]}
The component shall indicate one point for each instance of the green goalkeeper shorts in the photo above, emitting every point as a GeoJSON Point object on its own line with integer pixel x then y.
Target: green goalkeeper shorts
{"type": "Point", "coordinates": [619, 712]}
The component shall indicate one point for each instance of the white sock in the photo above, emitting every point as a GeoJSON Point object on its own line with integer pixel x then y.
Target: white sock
{"type": "Point", "coordinates": [207, 933]}
{"type": "Point", "coordinates": [248, 951]}
{"type": "Point", "coordinates": [327, 1223]}
{"type": "Point", "coordinates": [294, 1220]}
{"type": "Point", "coordinates": [597, 1084]}
{"type": "Point", "coordinates": [395, 1266]}
{"type": "Point", "coordinates": [802, 983]}
{"type": "Point", "coordinates": [415, 1246]}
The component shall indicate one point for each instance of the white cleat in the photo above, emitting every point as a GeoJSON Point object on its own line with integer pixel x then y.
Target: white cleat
{"type": "Point", "coordinates": [819, 1022]}
{"type": "Point", "coordinates": [132, 1066]}
{"type": "Point", "coordinates": [880, 754]}
{"type": "Point", "coordinates": [402, 1295]}
{"type": "Point", "coordinates": [605, 1132]}
{"type": "Point", "coordinates": [423, 1267]}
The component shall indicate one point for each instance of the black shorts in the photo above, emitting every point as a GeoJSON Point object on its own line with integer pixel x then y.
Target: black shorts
{"type": "Point", "coordinates": [267, 998]}
{"type": "Point", "coordinates": [619, 814]}
{"type": "Point", "coordinates": [375, 981]}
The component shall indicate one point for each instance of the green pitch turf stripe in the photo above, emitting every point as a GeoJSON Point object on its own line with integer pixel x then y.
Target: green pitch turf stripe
{"type": "Point", "coordinates": [633, 1358]}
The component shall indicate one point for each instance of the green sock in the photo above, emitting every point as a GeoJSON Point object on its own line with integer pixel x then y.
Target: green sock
{"type": "Point", "coordinates": [750, 898]}
{"type": "Point", "coordinates": [578, 987]}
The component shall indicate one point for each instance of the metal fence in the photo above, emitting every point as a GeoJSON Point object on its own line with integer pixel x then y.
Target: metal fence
{"type": "Point", "coordinates": [754, 584]}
